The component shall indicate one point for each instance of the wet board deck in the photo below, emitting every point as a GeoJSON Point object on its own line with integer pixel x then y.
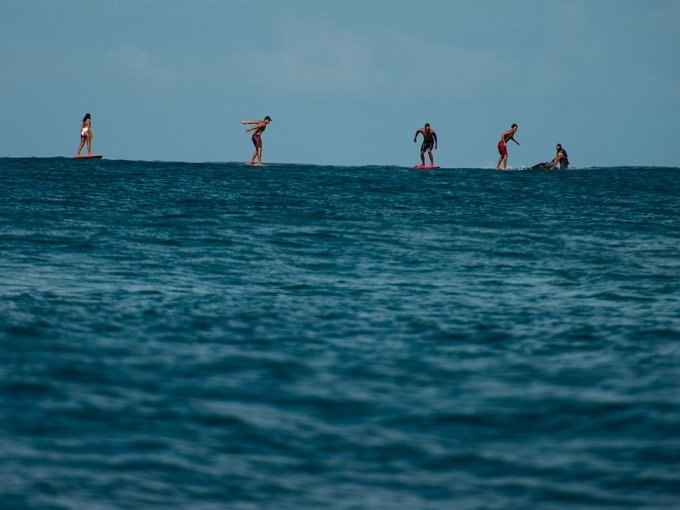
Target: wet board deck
{"type": "Point", "coordinates": [426, 167]}
{"type": "Point", "coordinates": [89, 156]}
{"type": "Point", "coordinates": [255, 164]}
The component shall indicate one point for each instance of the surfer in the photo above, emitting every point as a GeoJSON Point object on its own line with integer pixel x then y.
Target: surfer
{"type": "Point", "coordinates": [259, 127]}
{"type": "Point", "coordinates": [86, 134]}
{"type": "Point", "coordinates": [503, 147]}
{"type": "Point", "coordinates": [561, 159]}
{"type": "Point", "coordinates": [429, 142]}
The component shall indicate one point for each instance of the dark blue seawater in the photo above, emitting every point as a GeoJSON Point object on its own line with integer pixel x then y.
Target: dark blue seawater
{"type": "Point", "coordinates": [212, 336]}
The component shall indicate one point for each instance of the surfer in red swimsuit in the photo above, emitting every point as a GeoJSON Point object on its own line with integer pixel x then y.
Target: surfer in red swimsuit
{"type": "Point", "coordinates": [503, 147]}
{"type": "Point", "coordinates": [259, 127]}
{"type": "Point", "coordinates": [86, 134]}
{"type": "Point", "coordinates": [429, 142]}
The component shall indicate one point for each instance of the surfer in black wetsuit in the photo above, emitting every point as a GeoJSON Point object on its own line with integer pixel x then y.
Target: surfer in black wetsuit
{"type": "Point", "coordinates": [561, 159]}
{"type": "Point", "coordinates": [429, 142]}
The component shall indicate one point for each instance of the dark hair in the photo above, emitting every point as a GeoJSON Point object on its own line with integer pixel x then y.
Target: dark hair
{"type": "Point", "coordinates": [559, 145]}
{"type": "Point", "coordinates": [427, 124]}
{"type": "Point", "coordinates": [514, 125]}
{"type": "Point", "coordinates": [268, 118]}
{"type": "Point", "coordinates": [87, 116]}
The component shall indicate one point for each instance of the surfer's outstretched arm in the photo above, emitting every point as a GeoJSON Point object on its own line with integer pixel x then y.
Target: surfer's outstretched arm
{"type": "Point", "coordinates": [435, 140]}
{"type": "Point", "coordinates": [513, 139]}
{"type": "Point", "coordinates": [249, 121]}
{"type": "Point", "coordinates": [415, 137]}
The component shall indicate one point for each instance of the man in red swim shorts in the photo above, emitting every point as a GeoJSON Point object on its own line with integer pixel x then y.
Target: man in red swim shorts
{"type": "Point", "coordinates": [503, 147]}
{"type": "Point", "coordinates": [259, 127]}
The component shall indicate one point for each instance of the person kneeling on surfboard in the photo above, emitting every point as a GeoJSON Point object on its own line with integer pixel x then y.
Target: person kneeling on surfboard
{"type": "Point", "coordinates": [86, 134]}
{"type": "Point", "coordinates": [561, 159]}
{"type": "Point", "coordinates": [429, 142]}
{"type": "Point", "coordinates": [259, 127]}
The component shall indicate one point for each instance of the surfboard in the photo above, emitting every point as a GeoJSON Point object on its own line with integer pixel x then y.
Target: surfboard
{"type": "Point", "coordinates": [88, 156]}
{"type": "Point", "coordinates": [426, 167]}
{"type": "Point", "coordinates": [255, 164]}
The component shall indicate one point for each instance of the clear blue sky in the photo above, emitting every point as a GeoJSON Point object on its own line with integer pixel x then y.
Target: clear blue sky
{"type": "Point", "coordinates": [346, 82]}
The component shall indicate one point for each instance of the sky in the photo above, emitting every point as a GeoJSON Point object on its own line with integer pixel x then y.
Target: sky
{"type": "Point", "coordinates": [346, 82]}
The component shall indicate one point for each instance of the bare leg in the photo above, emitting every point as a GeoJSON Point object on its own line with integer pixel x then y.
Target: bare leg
{"type": "Point", "coordinates": [82, 144]}
{"type": "Point", "coordinates": [89, 144]}
{"type": "Point", "coordinates": [498, 165]}
{"type": "Point", "coordinates": [429, 153]}
{"type": "Point", "coordinates": [422, 158]}
{"type": "Point", "coordinates": [505, 162]}
{"type": "Point", "coordinates": [259, 155]}
{"type": "Point", "coordinates": [252, 158]}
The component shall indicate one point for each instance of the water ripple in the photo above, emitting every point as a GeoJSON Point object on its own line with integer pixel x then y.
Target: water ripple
{"type": "Point", "coordinates": [205, 336]}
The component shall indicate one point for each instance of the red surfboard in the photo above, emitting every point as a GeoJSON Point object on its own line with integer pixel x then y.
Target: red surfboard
{"type": "Point", "coordinates": [426, 167]}
{"type": "Point", "coordinates": [89, 156]}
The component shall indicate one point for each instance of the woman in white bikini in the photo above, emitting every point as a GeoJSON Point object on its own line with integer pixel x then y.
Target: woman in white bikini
{"type": "Point", "coordinates": [86, 134]}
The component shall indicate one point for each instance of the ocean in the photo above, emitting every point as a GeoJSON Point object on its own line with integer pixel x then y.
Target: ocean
{"type": "Point", "coordinates": [213, 336]}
